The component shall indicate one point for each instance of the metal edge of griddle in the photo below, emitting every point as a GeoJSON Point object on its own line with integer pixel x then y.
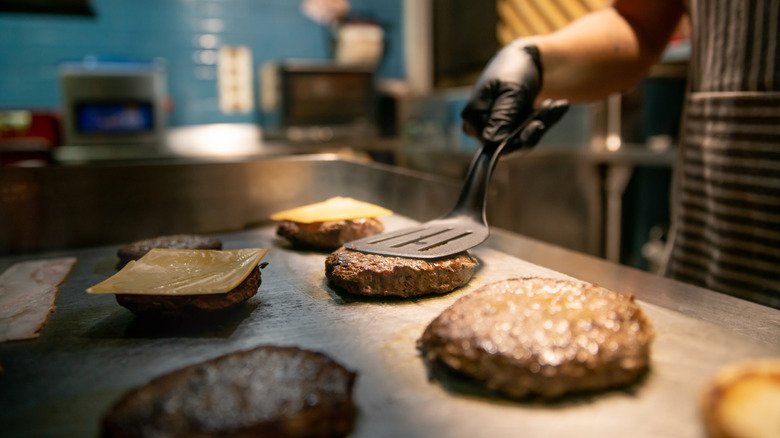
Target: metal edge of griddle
{"type": "Point", "coordinates": [89, 333]}
{"type": "Point", "coordinates": [751, 319]}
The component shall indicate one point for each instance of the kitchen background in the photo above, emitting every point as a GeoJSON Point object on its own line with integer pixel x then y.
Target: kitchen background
{"type": "Point", "coordinates": [184, 36]}
{"type": "Point", "coordinates": [603, 172]}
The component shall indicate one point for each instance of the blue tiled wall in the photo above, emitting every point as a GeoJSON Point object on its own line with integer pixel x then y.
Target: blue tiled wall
{"type": "Point", "coordinates": [32, 46]}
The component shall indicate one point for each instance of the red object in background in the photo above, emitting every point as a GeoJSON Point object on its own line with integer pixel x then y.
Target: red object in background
{"type": "Point", "coordinates": [28, 138]}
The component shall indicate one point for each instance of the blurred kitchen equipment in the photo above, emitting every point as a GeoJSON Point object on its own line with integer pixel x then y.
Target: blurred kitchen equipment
{"type": "Point", "coordinates": [27, 137]}
{"type": "Point", "coordinates": [359, 42]}
{"type": "Point", "coordinates": [465, 226]}
{"type": "Point", "coordinates": [316, 101]}
{"type": "Point", "coordinates": [108, 103]}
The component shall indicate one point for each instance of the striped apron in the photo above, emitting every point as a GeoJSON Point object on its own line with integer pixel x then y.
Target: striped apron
{"type": "Point", "coordinates": [726, 209]}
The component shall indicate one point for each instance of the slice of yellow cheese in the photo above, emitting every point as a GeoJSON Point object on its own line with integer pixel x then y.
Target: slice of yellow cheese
{"type": "Point", "coordinates": [182, 272]}
{"type": "Point", "coordinates": [334, 209]}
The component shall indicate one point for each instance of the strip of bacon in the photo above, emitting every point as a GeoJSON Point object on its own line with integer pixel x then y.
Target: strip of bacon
{"type": "Point", "coordinates": [27, 293]}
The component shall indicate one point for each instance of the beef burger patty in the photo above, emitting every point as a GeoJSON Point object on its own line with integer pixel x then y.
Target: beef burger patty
{"type": "Point", "coordinates": [543, 337]}
{"type": "Point", "coordinates": [328, 235]}
{"type": "Point", "coordinates": [178, 306]}
{"type": "Point", "coordinates": [376, 275]}
{"type": "Point", "coordinates": [136, 250]}
{"type": "Point", "coordinates": [268, 391]}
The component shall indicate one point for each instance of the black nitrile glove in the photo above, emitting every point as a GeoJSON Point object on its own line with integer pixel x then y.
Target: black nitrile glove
{"type": "Point", "coordinates": [503, 98]}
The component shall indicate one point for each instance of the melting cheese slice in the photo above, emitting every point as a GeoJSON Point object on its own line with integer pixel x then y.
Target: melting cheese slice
{"type": "Point", "coordinates": [334, 209]}
{"type": "Point", "coordinates": [182, 272]}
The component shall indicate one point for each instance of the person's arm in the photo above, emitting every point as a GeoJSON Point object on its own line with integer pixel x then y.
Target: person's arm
{"type": "Point", "coordinates": [602, 52]}
{"type": "Point", "coordinates": [606, 51]}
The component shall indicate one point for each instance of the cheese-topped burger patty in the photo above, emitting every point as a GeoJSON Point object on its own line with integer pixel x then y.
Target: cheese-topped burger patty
{"type": "Point", "coordinates": [268, 391]}
{"type": "Point", "coordinates": [178, 306]}
{"type": "Point", "coordinates": [136, 250]}
{"type": "Point", "coordinates": [330, 224]}
{"type": "Point", "coordinates": [329, 235]}
{"type": "Point", "coordinates": [183, 282]}
{"type": "Point", "coordinates": [541, 337]}
{"type": "Point", "coordinates": [376, 275]}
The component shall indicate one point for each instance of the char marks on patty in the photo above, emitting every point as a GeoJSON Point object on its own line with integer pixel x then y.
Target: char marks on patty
{"type": "Point", "coordinates": [376, 275]}
{"type": "Point", "coordinates": [541, 337]}
{"type": "Point", "coordinates": [328, 235]}
{"type": "Point", "coordinates": [268, 391]}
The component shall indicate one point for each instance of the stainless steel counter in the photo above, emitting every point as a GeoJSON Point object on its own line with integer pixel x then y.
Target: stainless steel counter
{"type": "Point", "coordinates": [91, 350]}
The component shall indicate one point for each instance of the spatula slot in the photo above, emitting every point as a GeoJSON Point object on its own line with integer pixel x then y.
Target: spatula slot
{"type": "Point", "coordinates": [391, 236]}
{"type": "Point", "coordinates": [465, 226]}
{"type": "Point", "coordinates": [421, 239]}
{"type": "Point", "coordinates": [444, 242]}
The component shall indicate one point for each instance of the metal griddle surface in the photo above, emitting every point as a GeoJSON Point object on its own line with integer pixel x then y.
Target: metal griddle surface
{"type": "Point", "coordinates": [91, 351]}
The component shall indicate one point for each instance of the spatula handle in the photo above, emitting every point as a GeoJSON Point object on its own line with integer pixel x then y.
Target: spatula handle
{"type": "Point", "coordinates": [473, 196]}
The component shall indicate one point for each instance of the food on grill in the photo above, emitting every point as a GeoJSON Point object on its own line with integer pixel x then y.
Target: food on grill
{"type": "Point", "coordinates": [268, 391]}
{"type": "Point", "coordinates": [174, 283]}
{"type": "Point", "coordinates": [27, 294]}
{"type": "Point", "coordinates": [330, 224]}
{"type": "Point", "coordinates": [541, 337]}
{"type": "Point", "coordinates": [136, 250]}
{"type": "Point", "coordinates": [329, 234]}
{"type": "Point", "coordinates": [174, 306]}
{"type": "Point", "coordinates": [375, 275]}
{"type": "Point", "coordinates": [333, 209]}
{"type": "Point", "coordinates": [743, 400]}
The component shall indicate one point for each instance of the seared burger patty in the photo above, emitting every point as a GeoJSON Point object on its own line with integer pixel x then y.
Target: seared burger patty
{"type": "Point", "coordinates": [545, 337]}
{"type": "Point", "coordinates": [330, 234]}
{"type": "Point", "coordinates": [268, 391]}
{"type": "Point", "coordinates": [136, 250]}
{"type": "Point", "coordinates": [174, 306]}
{"type": "Point", "coordinates": [376, 275]}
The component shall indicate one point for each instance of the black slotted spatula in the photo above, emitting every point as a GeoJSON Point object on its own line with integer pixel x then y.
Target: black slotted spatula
{"type": "Point", "coordinates": [465, 226]}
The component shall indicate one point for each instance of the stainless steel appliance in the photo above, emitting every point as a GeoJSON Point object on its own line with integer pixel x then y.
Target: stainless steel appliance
{"type": "Point", "coordinates": [111, 103]}
{"type": "Point", "coordinates": [316, 101]}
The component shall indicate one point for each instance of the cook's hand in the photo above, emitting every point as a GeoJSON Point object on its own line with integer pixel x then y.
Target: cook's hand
{"type": "Point", "coordinates": [548, 113]}
{"type": "Point", "coordinates": [503, 98]}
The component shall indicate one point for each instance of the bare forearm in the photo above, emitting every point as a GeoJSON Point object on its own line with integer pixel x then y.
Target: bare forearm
{"type": "Point", "coordinates": [606, 51]}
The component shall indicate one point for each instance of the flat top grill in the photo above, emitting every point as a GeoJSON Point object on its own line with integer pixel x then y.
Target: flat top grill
{"type": "Point", "coordinates": [92, 350]}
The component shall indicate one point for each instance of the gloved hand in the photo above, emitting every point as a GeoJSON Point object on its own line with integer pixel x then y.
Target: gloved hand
{"type": "Point", "coordinates": [503, 98]}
